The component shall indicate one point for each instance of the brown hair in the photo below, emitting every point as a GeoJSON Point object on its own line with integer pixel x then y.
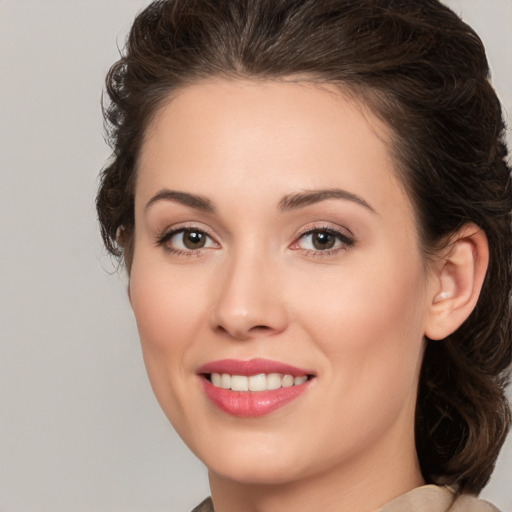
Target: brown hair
{"type": "Point", "coordinates": [421, 70]}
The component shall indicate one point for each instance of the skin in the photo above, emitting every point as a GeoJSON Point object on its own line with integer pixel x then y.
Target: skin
{"type": "Point", "coordinates": [354, 316]}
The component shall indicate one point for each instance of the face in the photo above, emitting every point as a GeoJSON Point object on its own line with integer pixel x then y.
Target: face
{"type": "Point", "coordinates": [277, 282]}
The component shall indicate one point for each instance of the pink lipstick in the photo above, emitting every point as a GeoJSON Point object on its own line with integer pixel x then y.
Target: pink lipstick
{"type": "Point", "coordinates": [252, 388]}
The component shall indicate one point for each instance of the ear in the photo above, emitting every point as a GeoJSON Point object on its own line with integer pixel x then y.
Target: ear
{"type": "Point", "coordinates": [456, 280]}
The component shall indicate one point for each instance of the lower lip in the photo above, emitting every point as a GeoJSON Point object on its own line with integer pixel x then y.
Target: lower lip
{"type": "Point", "coordinates": [249, 404]}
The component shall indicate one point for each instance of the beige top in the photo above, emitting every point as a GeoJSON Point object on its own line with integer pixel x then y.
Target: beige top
{"type": "Point", "coordinates": [429, 498]}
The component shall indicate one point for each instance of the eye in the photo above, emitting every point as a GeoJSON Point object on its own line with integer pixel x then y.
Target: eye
{"type": "Point", "coordinates": [186, 240]}
{"type": "Point", "coordinates": [327, 240]}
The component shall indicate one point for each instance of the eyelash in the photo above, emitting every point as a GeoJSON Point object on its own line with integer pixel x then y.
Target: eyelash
{"type": "Point", "coordinates": [346, 242]}
{"type": "Point", "coordinates": [163, 240]}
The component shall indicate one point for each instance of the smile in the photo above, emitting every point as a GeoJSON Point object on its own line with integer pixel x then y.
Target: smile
{"type": "Point", "coordinates": [252, 388]}
{"type": "Point", "coordinates": [260, 382]}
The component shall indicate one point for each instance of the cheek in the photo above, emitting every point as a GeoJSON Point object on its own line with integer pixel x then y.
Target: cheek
{"type": "Point", "coordinates": [165, 304]}
{"type": "Point", "coordinates": [167, 307]}
{"type": "Point", "coordinates": [370, 300]}
{"type": "Point", "coordinates": [368, 321]}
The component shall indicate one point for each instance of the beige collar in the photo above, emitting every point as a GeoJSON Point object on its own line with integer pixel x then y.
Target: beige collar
{"type": "Point", "coordinates": [434, 498]}
{"type": "Point", "coordinates": [429, 498]}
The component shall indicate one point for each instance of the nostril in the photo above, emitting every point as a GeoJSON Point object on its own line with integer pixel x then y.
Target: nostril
{"type": "Point", "coordinates": [259, 328]}
{"type": "Point", "coordinates": [242, 333]}
{"type": "Point", "coordinates": [234, 332]}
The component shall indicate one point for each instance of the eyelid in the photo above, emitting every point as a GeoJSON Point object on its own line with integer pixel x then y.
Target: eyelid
{"type": "Point", "coordinates": [344, 235]}
{"type": "Point", "coordinates": [324, 226]}
{"type": "Point", "coordinates": [164, 236]}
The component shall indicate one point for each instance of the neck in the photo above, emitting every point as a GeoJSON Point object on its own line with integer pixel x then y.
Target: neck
{"type": "Point", "coordinates": [352, 486]}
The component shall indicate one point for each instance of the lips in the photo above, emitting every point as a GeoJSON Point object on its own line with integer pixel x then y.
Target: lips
{"type": "Point", "coordinates": [252, 388]}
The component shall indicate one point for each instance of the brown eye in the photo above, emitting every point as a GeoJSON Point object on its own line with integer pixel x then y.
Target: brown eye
{"type": "Point", "coordinates": [186, 240]}
{"type": "Point", "coordinates": [193, 239]}
{"type": "Point", "coordinates": [323, 240]}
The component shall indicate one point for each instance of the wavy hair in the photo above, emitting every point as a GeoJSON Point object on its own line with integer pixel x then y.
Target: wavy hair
{"type": "Point", "coordinates": [424, 72]}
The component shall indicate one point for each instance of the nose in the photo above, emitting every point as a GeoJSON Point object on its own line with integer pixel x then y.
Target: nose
{"type": "Point", "coordinates": [249, 300]}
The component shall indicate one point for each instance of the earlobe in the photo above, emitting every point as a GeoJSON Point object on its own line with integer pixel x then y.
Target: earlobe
{"type": "Point", "coordinates": [456, 280]}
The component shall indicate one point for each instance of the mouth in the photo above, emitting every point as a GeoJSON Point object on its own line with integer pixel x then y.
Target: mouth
{"type": "Point", "coordinates": [255, 383]}
{"type": "Point", "coordinates": [252, 388]}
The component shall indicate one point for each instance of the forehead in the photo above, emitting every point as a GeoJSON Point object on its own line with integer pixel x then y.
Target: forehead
{"type": "Point", "coordinates": [271, 137]}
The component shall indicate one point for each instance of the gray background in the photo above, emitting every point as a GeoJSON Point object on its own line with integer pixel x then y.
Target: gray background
{"type": "Point", "coordinates": [79, 427]}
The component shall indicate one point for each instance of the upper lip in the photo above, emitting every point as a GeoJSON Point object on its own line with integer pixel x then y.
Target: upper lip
{"type": "Point", "coordinates": [251, 367]}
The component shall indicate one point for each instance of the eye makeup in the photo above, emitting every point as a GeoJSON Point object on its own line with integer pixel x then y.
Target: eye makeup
{"type": "Point", "coordinates": [322, 240]}
{"type": "Point", "coordinates": [186, 240]}
{"type": "Point", "coordinates": [316, 241]}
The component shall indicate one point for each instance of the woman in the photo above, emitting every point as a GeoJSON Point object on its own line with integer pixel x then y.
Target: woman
{"type": "Point", "coordinates": [312, 202]}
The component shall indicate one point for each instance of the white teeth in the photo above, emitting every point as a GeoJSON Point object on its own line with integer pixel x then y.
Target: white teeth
{"type": "Point", "coordinates": [273, 381]}
{"type": "Point", "coordinates": [216, 380]}
{"type": "Point", "coordinates": [300, 380]}
{"type": "Point", "coordinates": [225, 381]}
{"type": "Point", "coordinates": [239, 383]}
{"type": "Point", "coordinates": [260, 382]}
{"type": "Point", "coordinates": [287, 381]}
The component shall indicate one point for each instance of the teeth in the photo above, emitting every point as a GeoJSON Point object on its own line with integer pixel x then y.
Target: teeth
{"type": "Point", "coordinates": [287, 381]}
{"type": "Point", "coordinates": [260, 382]}
{"type": "Point", "coordinates": [239, 383]}
{"type": "Point", "coordinates": [300, 380]}
{"type": "Point", "coordinates": [216, 380]}
{"type": "Point", "coordinates": [273, 381]}
{"type": "Point", "coordinates": [225, 381]}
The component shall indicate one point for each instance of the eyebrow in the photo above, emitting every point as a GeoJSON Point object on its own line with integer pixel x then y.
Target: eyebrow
{"type": "Point", "coordinates": [192, 200]}
{"type": "Point", "coordinates": [287, 203]}
{"type": "Point", "coordinates": [308, 197]}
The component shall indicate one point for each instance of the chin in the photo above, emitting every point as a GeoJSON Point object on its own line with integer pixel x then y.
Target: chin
{"type": "Point", "coordinates": [251, 460]}
{"type": "Point", "coordinates": [267, 472]}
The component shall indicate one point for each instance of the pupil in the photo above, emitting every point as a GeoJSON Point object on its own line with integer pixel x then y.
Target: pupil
{"type": "Point", "coordinates": [194, 240]}
{"type": "Point", "coordinates": [323, 240]}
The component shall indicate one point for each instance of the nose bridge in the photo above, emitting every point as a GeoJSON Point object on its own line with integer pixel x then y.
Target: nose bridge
{"type": "Point", "coordinates": [248, 301]}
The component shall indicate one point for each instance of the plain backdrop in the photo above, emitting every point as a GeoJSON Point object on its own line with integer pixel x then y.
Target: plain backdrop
{"type": "Point", "coordinates": [80, 430]}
